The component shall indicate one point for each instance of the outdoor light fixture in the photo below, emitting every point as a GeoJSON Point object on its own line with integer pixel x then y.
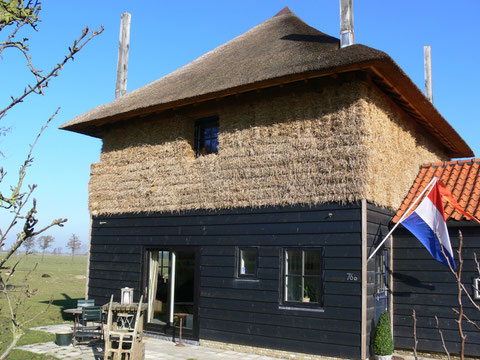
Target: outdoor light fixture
{"type": "Point", "coordinates": [127, 295]}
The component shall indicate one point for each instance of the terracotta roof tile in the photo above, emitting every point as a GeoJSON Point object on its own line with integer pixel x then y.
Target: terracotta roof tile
{"type": "Point", "coordinates": [462, 178]}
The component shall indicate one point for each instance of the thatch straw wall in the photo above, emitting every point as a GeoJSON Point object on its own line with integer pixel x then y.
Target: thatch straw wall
{"type": "Point", "coordinates": [396, 150]}
{"type": "Point", "coordinates": [301, 147]}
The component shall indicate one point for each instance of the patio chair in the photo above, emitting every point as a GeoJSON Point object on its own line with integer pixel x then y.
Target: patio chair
{"type": "Point", "coordinates": [94, 330]}
{"type": "Point", "coordinates": [124, 344]}
{"type": "Point", "coordinates": [81, 303]}
{"type": "Point", "coordinates": [85, 302]}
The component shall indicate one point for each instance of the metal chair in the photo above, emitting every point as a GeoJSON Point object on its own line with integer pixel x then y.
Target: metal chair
{"type": "Point", "coordinates": [94, 331]}
{"type": "Point", "coordinates": [81, 303]}
{"type": "Point", "coordinates": [85, 302]}
{"type": "Point", "coordinates": [125, 343]}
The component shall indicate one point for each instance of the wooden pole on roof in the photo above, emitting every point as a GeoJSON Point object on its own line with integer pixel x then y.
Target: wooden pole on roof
{"type": "Point", "coordinates": [427, 53]}
{"type": "Point", "coordinates": [346, 23]}
{"type": "Point", "coordinates": [123, 47]}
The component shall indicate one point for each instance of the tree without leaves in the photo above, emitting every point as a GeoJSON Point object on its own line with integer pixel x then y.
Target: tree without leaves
{"type": "Point", "coordinates": [15, 16]}
{"type": "Point", "coordinates": [44, 242]}
{"type": "Point", "coordinates": [29, 244]}
{"type": "Point", "coordinates": [463, 293]}
{"type": "Point", "coordinates": [74, 244]}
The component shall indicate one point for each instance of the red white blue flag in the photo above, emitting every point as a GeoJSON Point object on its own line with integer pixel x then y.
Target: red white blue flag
{"type": "Point", "coordinates": [427, 223]}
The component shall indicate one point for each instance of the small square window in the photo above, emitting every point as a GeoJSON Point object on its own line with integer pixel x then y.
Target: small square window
{"type": "Point", "coordinates": [206, 136]}
{"type": "Point", "coordinates": [247, 262]}
{"type": "Point", "coordinates": [303, 277]}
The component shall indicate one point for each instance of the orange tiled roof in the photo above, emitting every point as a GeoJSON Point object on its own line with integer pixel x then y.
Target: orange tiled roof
{"type": "Point", "coordinates": [462, 178]}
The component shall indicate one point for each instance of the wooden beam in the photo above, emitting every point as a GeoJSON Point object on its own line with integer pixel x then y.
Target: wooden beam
{"type": "Point", "coordinates": [346, 23]}
{"type": "Point", "coordinates": [364, 344]}
{"type": "Point", "coordinates": [87, 276]}
{"type": "Point", "coordinates": [428, 124]}
{"type": "Point", "coordinates": [122, 63]}
{"type": "Point", "coordinates": [390, 283]}
{"type": "Point", "coordinates": [224, 93]}
{"type": "Point", "coordinates": [427, 53]}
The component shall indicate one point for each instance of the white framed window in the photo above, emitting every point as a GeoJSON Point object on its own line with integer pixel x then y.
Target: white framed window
{"type": "Point", "coordinates": [247, 262]}
{"type": "Point", "coordinates": [303, 276]}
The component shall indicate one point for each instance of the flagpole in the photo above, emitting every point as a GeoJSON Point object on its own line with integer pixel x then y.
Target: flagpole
{"type": "Point", "coordinates": [434, 179]}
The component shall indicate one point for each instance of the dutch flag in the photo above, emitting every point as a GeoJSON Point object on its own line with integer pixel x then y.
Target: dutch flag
{"type": "Point", "coordinates": [427, 223]}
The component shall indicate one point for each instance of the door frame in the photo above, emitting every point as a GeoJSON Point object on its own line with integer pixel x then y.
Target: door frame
{"type": "Point", "coordinates": [168, 330]}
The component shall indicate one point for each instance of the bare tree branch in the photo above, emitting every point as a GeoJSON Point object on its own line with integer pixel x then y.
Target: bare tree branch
{"type": "Point", "coordinates": [474, 323]}
{"type": "Point", "coordinates": [459, 296]}
{"type": "Point", "coordinates": [14, 199]}
{"type": "Point", "coordinates": [415, 341]}
{"type": "Point", "coordinates": [443, 340]}
{"type": "Point", "coordinates": [41, 80]}
{"type": "Point", "coordinates": [458, 278]}
{"type": "Point", "coordinates": [17, 201]}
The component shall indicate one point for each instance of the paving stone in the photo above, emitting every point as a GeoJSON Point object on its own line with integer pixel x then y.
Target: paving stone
{"type": "Point", "coordinates": [154, 349]}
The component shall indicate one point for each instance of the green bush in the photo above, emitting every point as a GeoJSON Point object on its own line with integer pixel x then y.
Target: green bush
{"type": "Point", "coordinates": [382, 340]}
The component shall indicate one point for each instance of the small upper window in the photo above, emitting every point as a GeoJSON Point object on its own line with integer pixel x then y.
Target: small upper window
{"type": "Point", "coordinates": [247, 265]}
{"type": "Point", "coordinates": [206, 136]}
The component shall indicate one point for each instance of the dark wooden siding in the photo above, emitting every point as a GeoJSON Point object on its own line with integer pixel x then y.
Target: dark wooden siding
{"type": "Point", "coordinates": [423, 284]}
{"type": "Point", "coordinates": [245, 311]}
{"type": "Point", "coordinates": [378, 220]}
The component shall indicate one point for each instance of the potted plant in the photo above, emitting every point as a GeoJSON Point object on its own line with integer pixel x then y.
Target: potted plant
{"type": "Point", "coordinates": [383, 340]}
{"type": "Point", "coordinates": [307, 293]}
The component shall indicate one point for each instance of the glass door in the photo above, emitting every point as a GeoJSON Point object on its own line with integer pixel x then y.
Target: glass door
{"type": "Point", "coordinates": [172, 290]}
{"type": "Point", "coordinates": [158, 292]}
{"type": "Point", "coordinates": [381, 283]}
{"type": "Point", "coordinates": [184, 300]}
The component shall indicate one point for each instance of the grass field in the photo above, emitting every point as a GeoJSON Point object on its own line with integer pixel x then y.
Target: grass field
{"type": "Point", "coordinates": [65, 284]}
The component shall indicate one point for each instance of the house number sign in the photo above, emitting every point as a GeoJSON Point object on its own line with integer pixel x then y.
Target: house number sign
{"type": "Point", "coordinates": [352, 276]}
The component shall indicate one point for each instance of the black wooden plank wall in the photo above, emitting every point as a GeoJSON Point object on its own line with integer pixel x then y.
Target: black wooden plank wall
{"type": "Point", "coordinates": [423, 284]}
{"type": "Point", "coordinates": [247, 311]}
{"type": "Point", "coordinates": [378, 220]}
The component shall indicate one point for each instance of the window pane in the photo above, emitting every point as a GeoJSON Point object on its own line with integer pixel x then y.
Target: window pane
{"type": "Point", "coordinates": [293, 288]}
{"type": "Point", "coordinates": [313, 262]}
{"type": "Point", "coordinates": [380, 271]}
{"type": "Point", "coordinates": [248, 261]}
{"type": "Point", "coordinates": [313, 289]}
{"type": "Point", "coordinates": [214, 145]}
{"type": "Point", "coordinates": [294, 262]}
{"type": "Point", "coordinates": [303, 276]}
{"type": "Point", "coordinates": [207, 136]}
{"type": "Point", "coordinates": [207, 132]}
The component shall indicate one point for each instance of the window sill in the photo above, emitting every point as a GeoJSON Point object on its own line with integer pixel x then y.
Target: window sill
{"type": "Point", "coordinates": [246, 278]}
{"type": "Point", "coordinates": [301, 308]}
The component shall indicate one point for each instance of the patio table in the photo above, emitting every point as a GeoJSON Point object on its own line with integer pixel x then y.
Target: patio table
{"type": "Point", "coordinates": [76, 313]}
{"type": "Point", "coordinates": [124, 315]}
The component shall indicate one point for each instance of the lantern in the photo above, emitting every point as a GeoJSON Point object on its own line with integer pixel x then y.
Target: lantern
{"type": "Point", "coordinates": [127, 295]}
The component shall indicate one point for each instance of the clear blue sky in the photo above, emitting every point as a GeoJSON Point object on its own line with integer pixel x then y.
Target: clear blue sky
{"type": "Point", "coordinates": [166, 35]}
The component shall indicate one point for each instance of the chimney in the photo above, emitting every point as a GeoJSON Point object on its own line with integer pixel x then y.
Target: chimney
{"type": "Point", "coordinates": [122, 63]}
{"type": "Point", "coordinates": [346, 23]}
{"type": "Point", "coordinates": [427, 55]}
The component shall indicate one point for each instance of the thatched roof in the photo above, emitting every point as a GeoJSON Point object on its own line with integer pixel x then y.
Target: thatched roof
{"type": "Point", "coordinates": [280, 50]}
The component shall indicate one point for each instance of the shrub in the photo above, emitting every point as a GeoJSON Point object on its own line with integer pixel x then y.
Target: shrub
{"type": "Point", "coordinates": [382, 340]}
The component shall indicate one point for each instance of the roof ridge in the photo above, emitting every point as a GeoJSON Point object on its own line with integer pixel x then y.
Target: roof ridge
{"type": "Point", "coordinates": [285, 10]}
{"type": "Point", "coordinates": [452, 162]}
